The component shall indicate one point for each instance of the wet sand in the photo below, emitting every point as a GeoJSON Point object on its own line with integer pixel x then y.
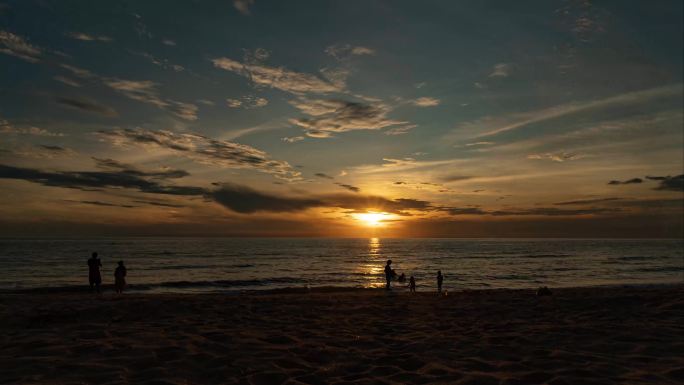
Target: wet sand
{"type": "Point", "coordinates": [332, 336]}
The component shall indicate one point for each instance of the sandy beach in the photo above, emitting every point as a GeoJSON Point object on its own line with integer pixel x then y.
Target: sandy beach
{"type": "Point", "coordinates": [332, 336]}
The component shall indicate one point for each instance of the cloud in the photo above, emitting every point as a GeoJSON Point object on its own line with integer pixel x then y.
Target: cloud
{"type": "Point", "coordinates": [85, 37]}
{"type": "Point", "coordinates": [243, 6]}
{"type": "Point", "coordinates": [67, 81]}
{"type": "Point", "coordinates": [455, 178]}
{"type": "Point", "coordinates": [163, 173]}
{"type": "Point", "coordinates": [344, 51]}
{"type": "Point", "coordinates": [7, 128]}
{"type": "Point", "coordinates": [498, 126]}
{"type": "Point", "coordinates": [400, 130]}
{"type": "Point", "coordinates": [11, 44]}
{"type": "Point", "coordinates": [553, 211]}
{"type": "Point", "coordinates": [145, 91]}
{"type": "Point", "coordinates": [629, 181]}
{"type": "Point", "coordinates": [501, 70]}
{"type": "Point", "coordinates": [204, 150]}
{"type": "Point", "coordinates": [245, 200]}
{"type": "Point", "coordinates": [247, 102]}
{"type": "Point", "coordinates": [537, 211]}
{"type": "Point", "coordinates": [292, 139]}
{"type": "Point", "coordinates": [163, 63]}
{"type": "Point", "coordinates": [586, 201]}
{"type": "Point", "coordinates": [169, 42]}
{"type": "Point", "coordinates": [44, 151]}
{"type": "Point", "coordinates": [277, 77]}
{"type": "Point", "coordinates": [322, 175]}
{"type": "Point", "coordinates": [87, 106]}
{"type": "Point", "coordinates": [329, 116]}
{"type": "Point", "coordinates": [480, 144]}
{"type": "Point", "coordinates": [426, 102]}
{"type": "Point", "coordinates": [85, 180]}
{"type": "Point", "coordinates": [349, 187]}
{"type": "Point", "coordinates": [669, 183]}
{"type": "Point", "coordinates": [161, 204]}
{"type": "Point", "coordinates": [99, 203]}
{"type": "Point", "coordinates": [556, 157]}
{"type": "Point", "coordinates": [80, 72]}
{"type": "Point", "coordinates": [464, 211]}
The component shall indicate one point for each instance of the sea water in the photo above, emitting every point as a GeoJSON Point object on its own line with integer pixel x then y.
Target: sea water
{"type": "Point", "coordinates": [211, 264]}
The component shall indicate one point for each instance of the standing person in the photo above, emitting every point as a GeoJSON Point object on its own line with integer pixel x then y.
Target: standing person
{"type": "Point", "coordinates": [440, 279]}
{"type": "Point", "coordinates": [120, 278]}
{"type": "Point", "coordinates": [94, 277]}
{"type": "Point", "coordinates": [412, 284]}
{"type": "Point", "coordinates": [388, 273]}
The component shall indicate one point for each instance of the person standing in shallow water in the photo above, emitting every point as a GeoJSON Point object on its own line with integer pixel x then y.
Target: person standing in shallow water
{"type": "Point", "coordinates": [94, 277]}
{"type": "Point", "coordinates": [412, 284]}
{"type": "Point", "coordinates": [120, 278]}
{"type": "Point", "coordinates": [440, 279]}
{"type": "Point", "coordinates": [388, 273]}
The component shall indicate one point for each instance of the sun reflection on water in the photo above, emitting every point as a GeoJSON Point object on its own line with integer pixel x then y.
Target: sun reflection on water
{"type": "Point", "coordinates": [372, 268]}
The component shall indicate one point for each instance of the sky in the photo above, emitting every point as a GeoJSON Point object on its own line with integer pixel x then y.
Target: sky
{"type": "Point", "coordinates": [341, 118]}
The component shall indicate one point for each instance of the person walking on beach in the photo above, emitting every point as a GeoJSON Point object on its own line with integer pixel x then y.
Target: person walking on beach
{"type": "Point", "coordinates": [440, 279]}
{"type": "Point", "coordinates": [412, 284]}
{"type": "Point", "coordinates": [388, 273]}
{"type": "Point", "coordinates": [94, 277]}
{"type": "Point", "coordinates": [120, 278]}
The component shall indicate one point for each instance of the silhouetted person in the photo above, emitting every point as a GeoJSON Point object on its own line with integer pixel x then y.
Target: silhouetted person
{"type": "Point", "coordinates": [120, 277]}
{"type": "Point", "coordinates": [543, 291]}
{"type": "Point", "coordinates": [412, 284]}
{"type": "Point", "coordinates": [94, 277]}
{"type": "Point", "coordinates": [388, 273]}
{"type": "Point", "coordinates": [402, 278]}
{"type": "Point", "coordinates": [440, 279]}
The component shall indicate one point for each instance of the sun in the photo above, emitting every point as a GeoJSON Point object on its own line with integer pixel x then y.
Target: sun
{"type": "Point", "coordinates": [373, 219]}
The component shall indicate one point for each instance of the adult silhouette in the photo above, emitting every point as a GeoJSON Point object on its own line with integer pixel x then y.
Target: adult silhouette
{"type": "Point", "coordinates": [120, 277]}
{"type": "Point", "coordinates": [440, 279]}
{"type": "Point", "coordinates": [94, 276]}
{"type": "Point", "coordinates": [388, 273]}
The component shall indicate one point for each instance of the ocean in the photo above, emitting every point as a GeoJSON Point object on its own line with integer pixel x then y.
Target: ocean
{"type": "Point", "coordinates": [234, 264]}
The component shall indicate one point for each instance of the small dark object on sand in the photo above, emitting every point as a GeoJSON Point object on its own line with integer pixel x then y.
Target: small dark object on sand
{"type": "Point", "coordinates": [542, 291]}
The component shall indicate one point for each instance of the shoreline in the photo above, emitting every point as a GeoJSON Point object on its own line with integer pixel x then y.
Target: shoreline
{"type": "Point", "coordinates": [341, 336]}
{"type": "Point", "coordinates": [135, 289]}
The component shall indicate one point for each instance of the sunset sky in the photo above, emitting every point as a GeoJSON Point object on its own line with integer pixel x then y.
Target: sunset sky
{"type": "Point", "coordinates": [341, 118]}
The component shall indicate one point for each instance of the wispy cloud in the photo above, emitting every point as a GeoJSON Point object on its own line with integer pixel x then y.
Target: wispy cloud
{"type": "Point", "coordinates": [344, 51]}
{"type": "Point", "coordinates": [501, 70]}
{"type": "Point", "coordinates": [43, 151]}
{"type": "Point", "coordinates": [204, 150]}
{"type": "Point", "coordinates": [67, 81]}
{"type": "Point", "coordinates": [628, 181]}
{"type": "Point", "coordinates": [247, 102]}
{"type": "Point", "coordinates": [277, 77]}
{"type": "Point", "coordinates": [7, 128]}
{"type": "Point", "coordinates": [87, 105]}
{"type": "Point", "coordinates": [330, 116]}
{"type": "Point", "coordinates": [88, 180]}
{"type": "Point", "coordinates": [243, 6]}
{"type": "Point", "coordinates": [426, 102]}
{"type": "Point", "coordinates": [86, 37]}
{"type": "Point", "coordinates": [349, 187]}
{"type": "Point", "coordinates": [557, 156]}
{"type": "Point", "coordinates": [146, 91]}
{"type": "Point", "coordinates": [11, 44]}
{"type": "Point", "coordinates": [292, 139]}
{"type": "Point", "coordinates": [495, 126]}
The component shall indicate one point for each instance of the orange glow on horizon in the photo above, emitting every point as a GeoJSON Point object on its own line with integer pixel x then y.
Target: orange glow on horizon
{"type": "Point", "coordinates": [373, 219]}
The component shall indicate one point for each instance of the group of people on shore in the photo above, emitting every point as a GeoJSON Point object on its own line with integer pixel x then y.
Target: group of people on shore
{"type": "Point", "coordinates": [95, 278]}
{"type": "Point", "coordinates": [390, 275]}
